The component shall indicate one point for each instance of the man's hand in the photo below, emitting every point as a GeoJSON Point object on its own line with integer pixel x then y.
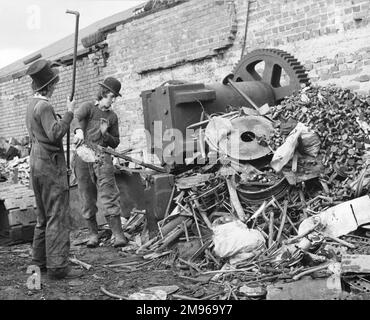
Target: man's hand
{"type": "Point", "coordinates": [79, 137]}
{"type": "Point", "coordinates": [71, 105]}
{"type": "Point", "coordinates": [103, 126]}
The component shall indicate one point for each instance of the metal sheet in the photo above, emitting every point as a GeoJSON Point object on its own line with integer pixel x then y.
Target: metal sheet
{"type": "Point", "coordinates": [356, 263]}
{"type": "Point", "coordinates": [193, 181]}
{"type": "Point", "coordinates": [306, 289]}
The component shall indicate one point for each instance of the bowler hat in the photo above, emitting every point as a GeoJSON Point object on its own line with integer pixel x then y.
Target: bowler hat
{"type": "Point", "coordinates": [112, 84]}
{"type": "Point", "coordinates": [42, 73]}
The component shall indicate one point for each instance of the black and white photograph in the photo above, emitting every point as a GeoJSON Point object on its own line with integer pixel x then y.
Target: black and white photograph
{"type": "Point", "coordinates": [184, 157]}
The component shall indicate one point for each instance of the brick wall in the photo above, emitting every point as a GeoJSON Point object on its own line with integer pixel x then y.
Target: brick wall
{"type": "Point", "coordinates": [330, 37]}
{"type": "Point", "coordinates": [201, 41]}
{"type": "Point", "coordinates": [13, 99]}
{"type": "Point", "coordinates": [185, 33]}
{"type": "Point", "coordinates": [87, 79]}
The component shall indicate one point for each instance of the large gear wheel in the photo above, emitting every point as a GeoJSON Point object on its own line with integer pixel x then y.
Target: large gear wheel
{"type": "Point", "coordinates": [279, 69]}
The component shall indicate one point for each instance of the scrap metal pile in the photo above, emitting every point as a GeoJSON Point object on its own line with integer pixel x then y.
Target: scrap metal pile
{"type": "Point", "coordinates": [245, 225]}
{"type": "Point", "coordinates": [340, 118]}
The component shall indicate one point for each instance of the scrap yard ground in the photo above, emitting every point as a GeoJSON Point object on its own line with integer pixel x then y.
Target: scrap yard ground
{"type": "Point", "coordinates": [15, 260]}
{"type": "Point", "coordinates": [121, 284]}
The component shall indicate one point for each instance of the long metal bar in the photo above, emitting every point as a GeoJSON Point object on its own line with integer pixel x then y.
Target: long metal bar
{"type": "Point", "coordinates": [139, 162]}
{"type": "Point", "coordinates": [245, 30]}
{"type": "Point", "coordinates": [77, 14]}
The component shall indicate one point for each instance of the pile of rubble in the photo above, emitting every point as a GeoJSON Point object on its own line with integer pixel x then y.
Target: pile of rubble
{"type": "Point", "coordinates": [247, 226]}
{"type": "Point", "coordinates": [16, 170]}
{"type": "Point", "coordinates": [14, 160]}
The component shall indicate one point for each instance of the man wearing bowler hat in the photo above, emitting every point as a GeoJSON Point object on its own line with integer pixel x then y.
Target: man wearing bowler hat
{"type": "Point", "coordinates": [97, 124]}
{"type": "Point", "coordinates": [51, 241]}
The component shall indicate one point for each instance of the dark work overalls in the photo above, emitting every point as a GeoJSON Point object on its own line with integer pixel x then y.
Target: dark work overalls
{"type": "Point", "coordinates": [51, 242]}
{"type": "Point", "coordinates": [97, 180]}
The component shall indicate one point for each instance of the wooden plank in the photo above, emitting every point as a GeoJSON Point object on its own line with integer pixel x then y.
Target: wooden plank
{"type": "Point", "coordinates": [235, 199]}
{"type": "Point", "coordinates": [21, 234]}
{"type": "Point", "coordinates": [21, 202]}
{"type": "Point", "coordinates": [295, 162]}
{"type": "Point", "coordinates": [22, 217]}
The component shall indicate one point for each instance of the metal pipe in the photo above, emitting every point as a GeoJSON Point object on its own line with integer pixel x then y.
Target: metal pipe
{"type": "Point", "coordinates": [246, 29]}
{"type": "Point", "coordinates": [127, 158]}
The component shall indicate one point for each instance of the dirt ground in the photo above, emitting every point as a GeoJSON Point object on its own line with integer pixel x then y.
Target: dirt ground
{"type": "Point", "coordinates": [119, 271]}
{"type": "Point", "coordinates": [15, 259]}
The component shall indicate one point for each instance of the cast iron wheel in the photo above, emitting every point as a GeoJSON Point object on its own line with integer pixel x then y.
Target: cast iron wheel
{"type": "Point", "coordinates": [275, 63]}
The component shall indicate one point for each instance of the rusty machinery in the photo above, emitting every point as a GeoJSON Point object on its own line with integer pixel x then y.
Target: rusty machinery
{"type": "Point", "coordinates": [262, 76]}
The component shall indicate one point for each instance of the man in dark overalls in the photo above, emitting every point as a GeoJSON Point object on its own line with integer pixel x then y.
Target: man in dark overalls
{"type": "Point", "coordinates": [51, 241]}
{"type": "Point", "coordinates": [96, 124]}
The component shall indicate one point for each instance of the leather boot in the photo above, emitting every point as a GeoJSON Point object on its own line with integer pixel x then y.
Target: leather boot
{"type": "Point", "coordinates": [119, 238]}
{"type": "Point", "coordinates": [93, 233]}
{"type": "Point", "coordinates": [64, 273]}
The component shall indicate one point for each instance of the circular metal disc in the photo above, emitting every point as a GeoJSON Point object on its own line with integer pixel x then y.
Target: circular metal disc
{"type": "Point", "coordinates": [242, 142]}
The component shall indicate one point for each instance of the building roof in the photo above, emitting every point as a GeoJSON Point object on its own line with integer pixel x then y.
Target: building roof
{"type": "Point", "coordinates": [64, 46]}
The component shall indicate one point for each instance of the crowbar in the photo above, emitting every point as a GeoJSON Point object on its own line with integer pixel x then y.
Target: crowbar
{"type": "Point", "coordinates": [77, 14]}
